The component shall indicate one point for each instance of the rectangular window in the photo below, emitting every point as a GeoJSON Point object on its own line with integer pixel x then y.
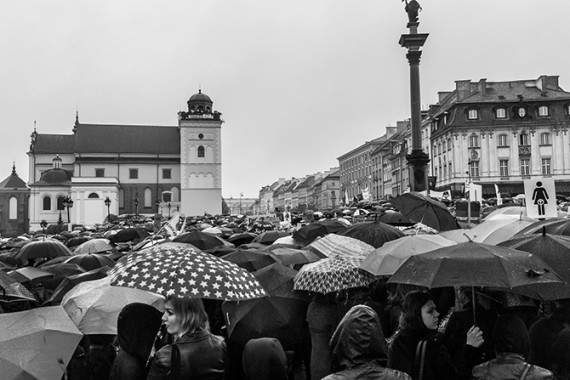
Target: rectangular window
{"type": "Point", "coordinates": [523, 139]}
{"type": "Point", "coordinates": [503, 140]}
{"type": "Point", "coordinates": [474, 169]}
{"type": "Point", "coordinates": [473, 141]}
{"type": "Point", "coordinates": [545, 138]}
{"type": "Point", "coordinates": [525, 167]}
{"type": "Point", "coordinates": [543, 111]}
{"type": "Point", "coordinates": [133, 173]}
{"type": "Point", "coordinates": [504, 168]}
{"type": "Point", "coordinates": [166, 173]}
{"type": "Point", "coordinates": [472, 115]}
{"type": "Point", "coordinates": [546, 166]}
{"type": "Point", "coordinates": [500, 113]}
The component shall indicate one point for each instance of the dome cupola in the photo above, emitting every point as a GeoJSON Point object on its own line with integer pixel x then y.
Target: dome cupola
{"type": "Point", "coordinates": [200, 104]}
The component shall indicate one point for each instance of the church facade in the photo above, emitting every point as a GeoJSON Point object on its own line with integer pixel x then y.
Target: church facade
{"type": "Point", "coordinates": [128, 169]}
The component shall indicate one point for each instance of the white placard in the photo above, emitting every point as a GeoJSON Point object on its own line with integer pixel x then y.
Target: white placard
{"type": "Point", "coordinates": [540, 198]}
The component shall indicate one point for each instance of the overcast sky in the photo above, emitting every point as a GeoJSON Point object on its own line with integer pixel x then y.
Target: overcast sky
{"type": "Point", "coordinates": [299, 82]}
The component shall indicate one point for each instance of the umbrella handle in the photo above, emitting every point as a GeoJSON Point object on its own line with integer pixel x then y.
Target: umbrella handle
{"type": "Point", "coordinates": [473, 302]}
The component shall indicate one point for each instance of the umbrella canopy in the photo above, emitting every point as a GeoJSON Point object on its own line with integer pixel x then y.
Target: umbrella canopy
{"type": "Point", "coordinates": [373, 233]}
{"type": "Point", "coordinates": [37, 343]}
{"type": "Point", "coordinates": [60, 271]}
{"type": "Point", "coordinates": [281, 315]}
{"type": "Point", "coordinates": [94, 306]}
{"type": "Point", "coordinates": [12, 289]}
{"type": "Point", "coordinates": [288, 241]}
{"type": "Point", "coordinates": [344, 247]}
{"type": "Point", "coordinates": [477, 264]}
{"type": "Point", "coordinates": [250, 259]}
{"type": "Point", "coordinates": [200, 240]}
{"type": "Point", "coordinates": [132, 234]}
{"type": "Point", "coordinates": [560, 227]}
{"type": "Point", "coordinates": [93, 246]}
{"type": "Point", "coordinates": [90, 261]}
{"type": "Point", "coordinates": [69, 282]}
{"type": "Point", "coordinates": [331, 275]}
{"type": "Point", "coordinates": [184, 271]}
{"type": "Point", "coordinates": [240, 238]}
{"type": "Point", "coordinates": [537, 226]}
{"type": "Point", "coordinates": [75, 242]}
{"type": "Point", "coordinates": [553, 249]}
{"type": "Point", "coordinates": [293, 256]}
{"type": "Point", "coordinates": [384, 261]}
{"type": "Point", "coordinates": [269, 237]}
{"type": "Point", "coordinates": [48, 248]}
{"type": "Point", "coordinates": [394, 218]}
{"type": "Point", "coordinates": [32, 275]}
{"type": "Point", "coordinates": [310, 232]}
{"type": "Point", "coordinates": [421, 209]}
{"type": "Point", "coordinates": [497, 230]}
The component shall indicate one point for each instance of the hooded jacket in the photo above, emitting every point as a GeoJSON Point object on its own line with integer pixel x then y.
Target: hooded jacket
{"type": "Point", "coordinates": [512, 344]}
{"type": "Point", "coordinates": [358, 348]}
{"type": "Point", "coordinates": [264, 359]}
{"type": "Point", "coordinates": [137, 327]}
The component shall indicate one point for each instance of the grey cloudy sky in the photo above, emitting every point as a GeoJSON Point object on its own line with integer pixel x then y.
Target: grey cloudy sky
{"type": "Point", "coordinates": [299, 82]}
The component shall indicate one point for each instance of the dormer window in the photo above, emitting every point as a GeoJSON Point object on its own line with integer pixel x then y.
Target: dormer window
{"type": "Point", "coordinates": [501, 113]}
{"type": "Point", "coordinates": [472, 114]}
{"type": "Point", "coordinates": [543, 111]}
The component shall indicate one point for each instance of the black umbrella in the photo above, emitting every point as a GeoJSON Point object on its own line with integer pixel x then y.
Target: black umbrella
{"type": "Point", "coordinates": [240, 238]}
{"type": "Point", "coordinates": [76, 241]}
{"type": "Point", "coordinates": [421, 209]}
{"type": "Point", "coordinates": [373, 233]}
{"type": "Point", "coordinates": [200, 240]}
{"type": "Point", "coordinates": [269, 237]}
{"type": "Point", "coordinates": [60, 271]}
{"type": "Point", "coordinates": [250, 259]}
{"type": "Point", "coordinates": [310, 232]}
{"type": "Point", "coordinates": [536, 227]}
{"type": "Point", "coordinates": [90, 261]}
{"type": "Point", "coordinates": [47, 248]}
{"type": "Point", "coordinates": [281, 315]}
{"type": "Point", "coordinates": [69, 282]}
{"type": "Point", "coordinates": [133, 234]}
{"type": "Point", "coordinates": [394, 218]}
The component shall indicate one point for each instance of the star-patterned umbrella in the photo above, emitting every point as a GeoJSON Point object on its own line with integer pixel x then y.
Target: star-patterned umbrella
{"type": "Point", "coordinates": [184, 271]}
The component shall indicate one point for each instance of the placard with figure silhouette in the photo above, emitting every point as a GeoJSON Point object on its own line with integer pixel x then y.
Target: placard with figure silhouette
{"type": "Point", "coordinates": [540, 197]}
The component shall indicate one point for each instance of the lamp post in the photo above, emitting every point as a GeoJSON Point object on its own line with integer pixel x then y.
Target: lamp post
{"type": "Point", "coordinates": [43, 225]}
{"type": "Point", "coordinates": [468, 172]}
{"type": "Point", "coordinates": [417, 159]}
{"type": "Point", "coordinates": [240, 196]}
{"type": "Point", "coordinates": [68, 203]}
{"type": "Point", "coordinates": [108, 204]}
{"type": "Point", "coordinates": [169, 207]}
{"type": "Point", "coordinates": [333, 199]}
{"type": "Point", "coordinates": [137, 206]}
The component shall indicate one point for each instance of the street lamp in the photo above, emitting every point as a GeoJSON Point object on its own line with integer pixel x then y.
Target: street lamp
{"type": "Point", "coordinates": [169, 206]}
{"type": "Point", "coordinates": [108, 204]}
{"type": "Point", "coordinates": [43, 225]}
{"type": "Point", "coordinates": [468, 172]}
{"type": "Point", "coordinates": [333, 198]}
{"type": "Point", "coordinates": [67, 203]}
{"type": "Point", "coordinates": [240, 196]}
{"type": "Point", "coordinates": [137, 206]}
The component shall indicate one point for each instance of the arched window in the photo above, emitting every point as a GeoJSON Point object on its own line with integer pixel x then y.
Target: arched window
{"type": "Point", "coordinates": [13, 208]}
{"type": "Point", "coordinates": [166, 196]}
{"type": "Point", "coordinates": [46, 203]}
{"type": "Point", "coordinates": [60, 203]}
{"type": "Point", "coordinates": [147, 197]}
{"type": "Point", "coordinates": [200, 151]}
{"type": "Point", "coordinates": [93, 196]}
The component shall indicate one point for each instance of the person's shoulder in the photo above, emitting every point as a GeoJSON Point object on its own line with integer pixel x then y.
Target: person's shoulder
{"type": "Point", "coordinates": [538, 373]}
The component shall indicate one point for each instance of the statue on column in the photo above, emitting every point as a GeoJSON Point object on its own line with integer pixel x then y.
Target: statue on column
{"type": "Point", "coordinates": [413, 8]}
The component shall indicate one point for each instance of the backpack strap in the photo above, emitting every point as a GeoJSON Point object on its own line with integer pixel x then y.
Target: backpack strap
{"type": "Point", "coordinates": [175, 363]}
{"type": "Point", "coordinates": [526, 369]}
{"type": "Point", "coordinates": [420, 358]}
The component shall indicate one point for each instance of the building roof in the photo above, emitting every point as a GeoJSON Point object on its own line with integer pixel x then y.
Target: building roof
{"type": "Point", "coordinates": [13, 181]}
{"type": "Point", "coordinates": [54, 177]}
{"type": "Point", "coordinates": [100, 138]}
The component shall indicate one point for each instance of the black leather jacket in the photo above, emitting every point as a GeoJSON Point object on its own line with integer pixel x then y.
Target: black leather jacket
{"type": "Point", "coordinates": [203, 356]}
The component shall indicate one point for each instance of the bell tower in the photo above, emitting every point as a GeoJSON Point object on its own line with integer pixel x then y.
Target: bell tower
{"type": "Point", "coordinates": [200, 157]}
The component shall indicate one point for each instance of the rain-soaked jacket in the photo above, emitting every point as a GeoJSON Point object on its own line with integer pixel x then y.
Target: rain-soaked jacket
{"type": "Point", "coordinates": [358, 348]}
{"type": "Point", "coordinates": [137, 327]}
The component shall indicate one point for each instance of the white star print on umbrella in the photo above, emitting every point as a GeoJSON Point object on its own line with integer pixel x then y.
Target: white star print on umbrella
{"type": "Point", "coordinates": [184, 271]}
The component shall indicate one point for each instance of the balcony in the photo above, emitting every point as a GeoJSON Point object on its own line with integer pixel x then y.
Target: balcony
{"type": "Point", "coordinates": [524, 150]}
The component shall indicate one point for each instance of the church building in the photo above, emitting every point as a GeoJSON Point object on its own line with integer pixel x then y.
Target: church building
{"type": "Point", "coordinates": [128, 169]}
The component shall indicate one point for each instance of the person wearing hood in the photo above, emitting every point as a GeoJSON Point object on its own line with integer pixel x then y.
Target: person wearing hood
{"type": "Point", "coordinates": [264, 359]}
{"type": "Point", "coordinates": [512, 343]}
{"type": "Point", "coordinates": [137, 327]}
{"type": "Point", "coordinates": [358, 348]}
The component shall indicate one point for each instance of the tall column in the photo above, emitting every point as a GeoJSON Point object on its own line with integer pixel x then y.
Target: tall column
{"type": "Point", "coordinates": [417, 159]}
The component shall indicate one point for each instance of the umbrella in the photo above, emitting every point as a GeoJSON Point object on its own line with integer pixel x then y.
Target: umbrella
{"type": "Point", "coordinates": [553, 249]}
{"type": "Point", "coordinates": [213, 231]}
{"type": "Point", "coordinates": [385, 260]}
{"type": "Point", "coordinates": [250, 259]}
{"type": "Point", "coordinates": [537, 226]}
{"type": "Point", "coordinates": [48, 248]}
{"type": "Point", "coordinates": [32, 275]}
{"type": "Point", "coordinates": [69, 282]}
{"type": "Point", "coordinates": [497, 230]}
{"type": "Point", "coordinates": [199, 239]}
{"type": "Point", "coordinates": [93, 246]}
{"type": "Point", "coordinates": [344, 247]}
{"type": "Point", "coordinates": [12, 289]}
{"type": "Point", "coordinates": [184, 271]}
{"type": "Point", "coordinates": [288, 241]}
{"type": "Point", "coordinates": [560, 227]}
{"type": "Point", "coordinates": [76, 241]}
{"type": "Point", "coordinates": [477, 264]}
{"type": "Point", "coordinates": [281, 315]}
{"type": "Point", "coordinates": [422, 209]}
{"type": "Point", "coordinates": [332, 275]}
{"type": "Point", "coordinates": [60, 271]}
{"type": "Point", "coordinates": [310, 232]}
{"type": "Point", "coordinates": [293, 256]}
{"type": "Point", "coordinates": [373, 233]}
{"type": "Point", "coordinates": [94, 306]}
{"type": "Point", "coordinates": [37, 343]}
{"type": "Point", "coordinates": [394, 218]}
{"type": "Point", "coordinates": [269, 237]}
{"type": "Point", "coordinates": [132, 234]}
{"type": "Point", "coordinates": [91, 261]}
{"type": "Point", "coordinates": [240, 238]}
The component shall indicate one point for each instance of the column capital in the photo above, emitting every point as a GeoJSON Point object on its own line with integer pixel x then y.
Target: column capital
{"type": "Point", "coordinates": [414, 57]}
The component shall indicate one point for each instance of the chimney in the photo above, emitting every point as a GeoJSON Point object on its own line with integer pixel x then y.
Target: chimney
{"type": "Point", "coordinates": [463, 89]}
{"type": "Point", "coordinates": [482, 86]}
{"type": "Point", "coordinates": [442, 95]}
{"type": "Point", "coordinates": [545, 82]}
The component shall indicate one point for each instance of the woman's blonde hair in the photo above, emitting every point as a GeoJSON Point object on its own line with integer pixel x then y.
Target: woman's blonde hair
{"type": "Point", "coordinates": [191, 312]}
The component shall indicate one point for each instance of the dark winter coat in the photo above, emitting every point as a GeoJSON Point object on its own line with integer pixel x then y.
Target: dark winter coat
{"type": "Point", "coordinates": [358, 348]}
{"type": "Point", "coordinates": [264, 359]}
